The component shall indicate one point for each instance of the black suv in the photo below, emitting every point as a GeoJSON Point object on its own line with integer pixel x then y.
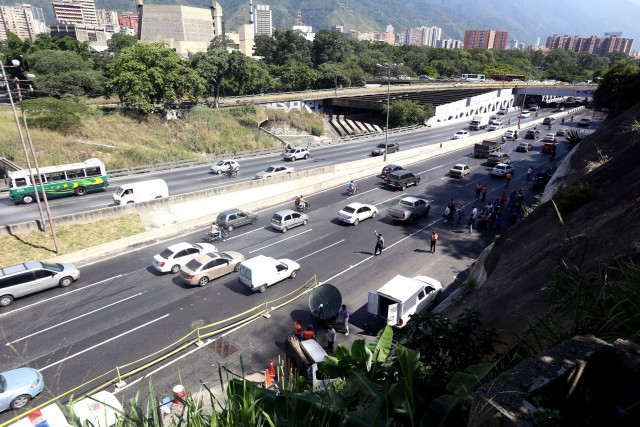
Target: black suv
{"type": "Point", "coordinates": [235, 218]}
{"type": "Point", "coordinates": [532, 134]}
{"type": "Point", "coordinates": [402, 179]}
{"type": "Point", "coordinates": [548, 121]}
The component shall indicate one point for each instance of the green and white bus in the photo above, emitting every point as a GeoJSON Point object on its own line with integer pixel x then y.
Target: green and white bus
{"type": "Point", "coordinates": [63, 180]}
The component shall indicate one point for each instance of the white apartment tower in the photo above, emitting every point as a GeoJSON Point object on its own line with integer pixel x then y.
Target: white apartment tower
{"type": "Point", "coordinates": [431, 36]}
{"type": "Point", "coordinates": [75, 11]}
{"type": "Point", "coordinates": [262, 21]}
{"type": "Point", "coordinates": [20, 20]}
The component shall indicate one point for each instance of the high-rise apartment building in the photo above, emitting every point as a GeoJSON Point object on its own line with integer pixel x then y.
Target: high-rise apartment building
{"type": "Point", "coordinates": [262, 20]}
{"type": "Point", "coordinates": [75, 11]}
{"type": "Point", "coordinates": [450, 44]}
{"type": "Point", "coordinates": [431, 36]}
{"type": "Point", "coordinates": [22, 21]}
{"type": "Point", "coordinates": [105, 16]}
{"type": "Point", "coordinates": [486, 39]}
{"type": "Point", "coordinates": [129, 20]}
{"type": "Point", "coordinates": [592, 44]}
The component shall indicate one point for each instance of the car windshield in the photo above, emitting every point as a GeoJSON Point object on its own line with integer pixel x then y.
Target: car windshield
{"type": "Point", "coordinates": [166, 254]}
{"type": "Point", "coordinates": [270, 169]}
{"type": "Point", "coordinates": [225, 256]}
{"type": "Point", "coordinates": [406, 203]}
{"type": "Point", "coordinates": [220, 163]}
{"type": "Point", "coordinates": [52, 267]}
{"type": "Point", "coordinates": [348, 209]}
{"type": "Point", "coordinates": [291, 150]}
{"type": "Point", "coordinates": [458, 168]}
{"type": "Point", "coordinates": [194, 264]}
{"type": "Point", "coordinates": [381, 146]}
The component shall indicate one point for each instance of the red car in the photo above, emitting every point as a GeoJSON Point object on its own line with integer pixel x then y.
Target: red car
{"type": "Point", "coordinates": [549, 147]}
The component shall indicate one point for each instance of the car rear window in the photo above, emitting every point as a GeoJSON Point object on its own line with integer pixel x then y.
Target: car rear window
{"type": "Point", "coordinates": [349, 209]}
{"type": "Point", "coordinates": [166, 254]}
{"type": "Point", "coordinates": [277, 217]}
{"type": "Point", "coordinates": [194, 264]}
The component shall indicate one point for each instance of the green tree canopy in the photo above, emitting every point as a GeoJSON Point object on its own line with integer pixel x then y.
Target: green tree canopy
{"type": "Point", "coordinates": [63, 73]}
{"type": "Point", "coordinates": [119, 42]}
{"type": "Point", "coordinates": [332, 46]}
{"type": "Point", "coordinates": [285, 45]}
{"type": "Point", "coordinates": [295, 76]}
{"type": "Point", "coordinates": [212, 66]}
{"type": "Point", "coordinates": [151, 72]}
{"type": "Point", "coordinates": [407, 113]}
{"type": "Point", "coordinates": [245, 76]}
{"type": "Point", "coordinates": [619, 89]}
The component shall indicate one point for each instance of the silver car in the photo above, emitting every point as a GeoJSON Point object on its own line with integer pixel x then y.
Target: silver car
{"type": "Point", "coordinates": [34, 276]}
{"type": "Point", "coordinates": [287, 219]}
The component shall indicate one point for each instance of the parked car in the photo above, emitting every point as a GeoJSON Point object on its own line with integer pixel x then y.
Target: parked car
{"type": "Point", "coordinates": [223, 166]}
{"type": "Point", "coordinates": [460, 134]}
{"type": "Point", "coordinates": [34, 276]}
{"type": "Point", "coordinates": [532, 134]}
{"type": "Point", "coordinates": [18, 387]}
{"type": "Point", "coordinates": [584, 122]}
{"type": "Point", "coordinates": [392, 147]}
{"type": "Point", "coordinates": [525, 114]}
{"type": "Point", "coordinates": [286, 219]}
{"type": "Point", "coordinates": [550, 137]}
{"type": "Point", "coordinates": [175, 256]}
{"type": "Point", "coordinates": [524, 147]}
{"type": "Point", "coordinates": [402, 179]}
{"type": "Point", "coordinates": [549, 147]}
{"type": "Point", "coordinates": [502, 169]}
{"type": "Point", "coordinates": [209, 266]}
{"type": "Point", "coordinates": [297, 153]}
{"type": "Point", "coordinates": [353, 213]}
{"type": "Point", "coordinates": [234, 218]}
{"type": "Point", "coordinates": [274, 171]}
{"type": "Point", "coordinates": [459, 170]}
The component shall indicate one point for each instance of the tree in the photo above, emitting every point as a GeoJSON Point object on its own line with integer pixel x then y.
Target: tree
{"type": "Point", "coordinates": [619, 89]}
{"type": "Point", "coordinates": [59, 73]}
{"type": "Point", "coordinates": [151, 72]}
{"type": "Point", "coordinates": [212, 66]}
{"type": "Point", "coordinates": [295, 76]}
{"type": "Point", "coordinates": [221, 43]}
{"type": "Point", "coordinates": [245, 76]}
{"type": "Point", "coordinates": [407, 113]}
{"type": "Point", "coordinates": [119, 42]}
{"type": "Point", "coordinates": [331, 46]}
{"type": "Point", "coordinates": [283, 46]}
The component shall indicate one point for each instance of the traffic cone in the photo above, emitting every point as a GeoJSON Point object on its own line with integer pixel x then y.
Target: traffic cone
{"type": "Point", "coordinates": [272, 371]}
{"type": "Point", "coordinates": [267, 379]}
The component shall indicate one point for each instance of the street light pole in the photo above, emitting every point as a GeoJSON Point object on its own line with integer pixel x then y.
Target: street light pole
{"type": "Point", "coordinates": [524, 98]}
{"type": "Point", "coordinates": [386, 133]}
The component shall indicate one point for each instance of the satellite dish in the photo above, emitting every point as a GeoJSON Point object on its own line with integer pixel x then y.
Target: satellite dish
{"type": "Point", "coordinates": [325, 302]}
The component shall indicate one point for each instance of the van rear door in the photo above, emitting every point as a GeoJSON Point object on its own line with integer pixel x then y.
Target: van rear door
{"type": "Point", "coordinates": [392, 315]}
{"type": "Point", "coordinates": [373, 305]}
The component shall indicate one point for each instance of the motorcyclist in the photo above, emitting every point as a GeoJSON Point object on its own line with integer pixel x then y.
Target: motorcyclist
{"type": "Point", "coordinates": [215, 231]}
{"type": "Point", "coordinates": [562, 121]}
{"type": "Point", "coordinates": [352, 188]}
{"type": "Point", "coordinates": [302, 203]}
{"type": "Point", "coordinates": [231, 170]}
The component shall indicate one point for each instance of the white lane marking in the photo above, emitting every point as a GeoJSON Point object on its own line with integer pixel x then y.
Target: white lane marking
{"type": "Point", "coordinates": [388, 200]}
{"type": "Point", "coordinates": [371, 256]}
{"type": "Point", "coordinates": [196, 173]}
{"type": "Point", "coordinates": [320, 250]}
{"type": "Point", "coordinates": [59, 296]}
{"type": "Point", "coordinates": [280, 241]}
{"type": "Point", "coordinates": [102, 343]}
{"type": "Point", "coordinates": [71, 320]}
{"type": "Point", "coordinates": [244, 234]}
{"type": "Point", "coordinates": [431, 169]}
{"type": "Point", "coordinates": [103, 205]}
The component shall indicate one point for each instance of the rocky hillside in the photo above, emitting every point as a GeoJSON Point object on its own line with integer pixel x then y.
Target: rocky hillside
{"type": "Point", "coordinates": [510, 282]}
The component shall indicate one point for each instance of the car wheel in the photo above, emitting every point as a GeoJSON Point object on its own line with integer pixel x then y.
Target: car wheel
{"type": "Point", "coordinates": [294, 273]}
{"type": "Point", "coordinates": [219, 171]}
{"type": "Point", "coordinates": [355, 222]}
{"type": "Point", "coordinates": [428, 209]}
{"type": "Point", "coordinates": [284, 229]}
{"type": "Point", "coordinates": [418, 181]}
{"type": "Point", "coordinates": [5, 300]}
{"type": "Point", "coordinates": [27, 199]}
{"type": "Point", "coordinates": [373, 214]}
{"type": "Point", "coordinates": [306, 156]}
{"type": "Point", "coordinates": [237, 267]}
{"type": "Point", "coordinates": [410, 219]}
{"type": "Point", "coordinates": [20, 401]}
{"type": "Point", "coordinates": [263, 289]}
{"type": "Point", "coordinates": [175, 269]}
{"type": "Point", "coordinates": [293, 159]}
{"type": "Point", "coordinates": [404, 187]}
{"type": "Point", "coordinates": [66, 281]}
{"type": "Point", "coordinates": [81, 191]}
{"type": "Point", "coordinates": [229, 228]}
{"type": "Point", "coordinates": [203, 281]}
{"type": "Point", "coordinates": [305, 222]}
{"type": "Point", "coordinates": [253, 220]}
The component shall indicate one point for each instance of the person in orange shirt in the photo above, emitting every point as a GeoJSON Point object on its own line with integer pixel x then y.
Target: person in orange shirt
{"type": "Point", "coordinates": [434, 239]}
{"type": "Point", "coordinates": [508, 177]}
{"type": "Point", "coordinates": [485, 190]}
{"type": "Point", "coordinates": [297, 329]}
{"type": "Point", "coordinates": [308, 333]}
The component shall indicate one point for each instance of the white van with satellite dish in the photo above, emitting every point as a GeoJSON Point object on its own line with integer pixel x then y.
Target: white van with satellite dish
{"type": "Point", "coordinates": [142, 191]}
{"type": "Point", "coordinates": [402, 297]}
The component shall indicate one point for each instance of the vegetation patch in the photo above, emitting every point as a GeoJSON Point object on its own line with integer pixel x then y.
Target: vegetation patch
{"type": "Point", "coordinates": [572, 196]}
{"type": "Point", "coordinates": [38, 245]}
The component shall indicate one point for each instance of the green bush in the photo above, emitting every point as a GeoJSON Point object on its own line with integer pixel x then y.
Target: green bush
{"type": "Point", "coordinates": [317, 130]}
{"type": "Point", "coordinates": [57, 115]}
{"type": "Point", "coordinates": [571, 197]}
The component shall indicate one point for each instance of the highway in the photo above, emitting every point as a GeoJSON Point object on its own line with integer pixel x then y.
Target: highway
{"type": "Point", "coordinates": [121, 309]}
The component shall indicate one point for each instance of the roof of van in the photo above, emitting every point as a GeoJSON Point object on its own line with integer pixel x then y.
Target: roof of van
{"type": "Point", "coordinates": [29, 265]}
{"type": "Point", "coordinates": [313, 350]}
{"type": "Point", "coordinates": [259, 260]}
{"type": "Point", "coordinates": [403, 288]}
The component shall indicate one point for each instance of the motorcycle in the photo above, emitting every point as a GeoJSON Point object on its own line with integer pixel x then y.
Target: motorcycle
{"type": "Point", "coordinates": [352, 191]}
{"type": "Point", "coordinates": [223, 234]}
{"type": "Point", "coordinates": [230, 174]}
{"type": "Point", "coordinates": [301, 207]}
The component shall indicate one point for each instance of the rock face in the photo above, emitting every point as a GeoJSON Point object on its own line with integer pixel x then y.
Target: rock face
{"type": "Point", "coordinates": [521, 263]}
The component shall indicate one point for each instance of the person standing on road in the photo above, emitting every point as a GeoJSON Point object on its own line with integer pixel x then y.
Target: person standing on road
{"type": "Point", "coordinates": [344, 318]}
{"type": "Point", "coordinates": [434, 239]}
{"type": "Point", "coordinates": [308, 333]}
{"type": "Point", "coordinates": [379, 244]}
{"type": "Point", "coordinates": [485, 190]}
{"type": "Point", "coordinates": [472, 218]}
{"type": "Point", "coordinates": [460, 213]}
{"type": "Point", "coordinates": [508, 177]}
{"type": "Point", "coordinates": [331, 338]}
{"type": "Point", "coordinates": [529, 173]}
{"type": "Point", "coordinates": [297, 329]}
{"type": "Point", "coordinates": [478, 190]}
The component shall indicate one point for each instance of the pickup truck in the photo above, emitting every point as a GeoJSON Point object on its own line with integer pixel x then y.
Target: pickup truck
{"type": "Point", "coordinates": [485, 148]}
{"type": "Point", "coordinates": [409, 209]}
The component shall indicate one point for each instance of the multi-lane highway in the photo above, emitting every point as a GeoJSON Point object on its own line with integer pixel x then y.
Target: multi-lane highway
{"type": "Point", "coordinates": [121, 309]}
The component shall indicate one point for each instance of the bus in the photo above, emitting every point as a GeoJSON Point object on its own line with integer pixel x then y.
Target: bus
{"type": "Point", "coordinates": [63, 180]}
{"type": "Point", "coordinates": [472, 77]}
{"type": "Point", "coordinates": [508, 77]}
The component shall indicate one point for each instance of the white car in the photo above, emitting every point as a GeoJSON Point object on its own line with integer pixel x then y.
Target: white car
{"type": "Point", "coordinates": [503, 111]}
{"type": "Point", "coordinates": [460, 134]}
{"type": "Point", "coordinates": [353, 213]}
{"type": "Point", "coordinates": [297, 153]}
{"type": "Point", "coordinates": [509, 134]}
{"type": "Point", "coordinates": [494, 126]}
{"type": "Point", "coordinates": [274, 171]}
{"type": "Point", "coordinates": [175, 256]}
{"type": "Point", "coordinates": [459, 170]}
{"type": "Point", "coordinates": [525, 114]}
{"type": "Point", "coordinates": [223, 166]}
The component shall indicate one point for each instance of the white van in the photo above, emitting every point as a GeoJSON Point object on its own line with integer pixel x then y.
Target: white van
{"type": "Point", "coordinates": [142, 191]}
{"type": "Point", "coordinates": [403, 296]}
{"type": "Point", "coordinates": [261, 272]}
{"type": "Point", "coordinates": [303, 358]}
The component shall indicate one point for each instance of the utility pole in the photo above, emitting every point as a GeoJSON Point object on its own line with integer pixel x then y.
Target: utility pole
{"type": "Point", "coordinates": [386, 133]}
